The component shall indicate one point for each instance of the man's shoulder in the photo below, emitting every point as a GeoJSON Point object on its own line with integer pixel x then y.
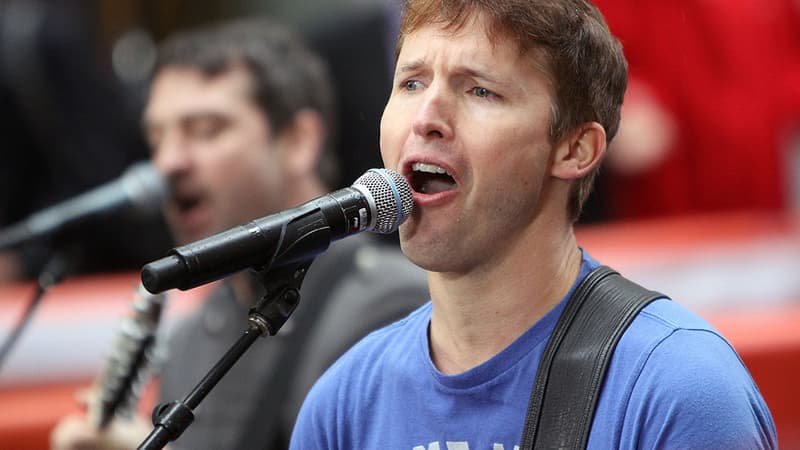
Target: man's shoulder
{"type": "Point", "coordinates": [217, 302]}
{"type": "Point", "coordinates": [376, 261]}
{"type": "Point", "coordinates": [363, 369]}
{"type": "Point", "coordinates": [673, 368]}
{"type": "Point", "coordinates": [375, 279]}
{"type": "Point", "coordinates": [665, 325]}
{"type": "Point", "coordinates": [384, 346]}
{"type": "Point", "coordinates": [665, 319]}
{"type": "Point", "coordinates": [367, 286]}
{"type": "Point", "coordinates": [670, 354]}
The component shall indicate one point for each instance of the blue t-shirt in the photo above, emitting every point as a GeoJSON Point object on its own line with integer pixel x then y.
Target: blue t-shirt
{"type": "Point", "coordinates": [673, 382]}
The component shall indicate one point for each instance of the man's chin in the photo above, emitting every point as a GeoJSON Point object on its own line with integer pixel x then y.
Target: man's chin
{"type": "Point", "coordinates": [192, 225]}
{"type": "Point", "coordinates": [185, 236]}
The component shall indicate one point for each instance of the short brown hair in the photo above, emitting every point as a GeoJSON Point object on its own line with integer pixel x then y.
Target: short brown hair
{"type": "Point", "coordinates": [287, 76]}
{"type": "Point", "coordinates": [583, 60]}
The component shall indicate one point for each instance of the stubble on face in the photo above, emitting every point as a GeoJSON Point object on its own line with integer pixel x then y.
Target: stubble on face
{"type": "Point", "coordinates": [499, 145]}
{"type": "Point", "coordinates": [214, 145]}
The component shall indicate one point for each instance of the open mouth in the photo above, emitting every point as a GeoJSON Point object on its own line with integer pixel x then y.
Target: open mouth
{"type": "Point", "coordinates": [430, 179]}
{"type": "Point", "coordinates": [186, 203]}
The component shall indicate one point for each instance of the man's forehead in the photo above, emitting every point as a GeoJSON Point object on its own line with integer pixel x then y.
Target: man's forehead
{"type": "Point", "coordinates": [193, 84]}
{"type": "Point", "coordinates": [479, 24]}
{"type": "Point", "coordinates": [498, 41]}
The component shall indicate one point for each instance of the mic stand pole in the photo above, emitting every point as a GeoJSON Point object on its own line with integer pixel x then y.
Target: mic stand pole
{"type": "Point", "coordinates": [265, 318]}
{"type": "Point", "coordinates": [54, 271]}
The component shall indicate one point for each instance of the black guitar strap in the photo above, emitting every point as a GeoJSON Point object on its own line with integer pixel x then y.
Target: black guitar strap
{"type": "Point", "coordinates": [575, 361]}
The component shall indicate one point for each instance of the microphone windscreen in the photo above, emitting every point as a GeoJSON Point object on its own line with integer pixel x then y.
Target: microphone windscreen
{"type": "Point", "coordinates": [144, 187]}
{"type": "Point", "coordinates": [392, 196]}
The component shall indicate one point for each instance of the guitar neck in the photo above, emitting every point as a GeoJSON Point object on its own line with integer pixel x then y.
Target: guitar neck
{"type": "Point", "coordinates": [127, 367]}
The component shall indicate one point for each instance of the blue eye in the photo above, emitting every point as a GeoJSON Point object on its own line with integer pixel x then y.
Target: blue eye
{"type": "Point", "coordinates": [411, 85]}
{"type": "Point", "coordinates": [482, 92]}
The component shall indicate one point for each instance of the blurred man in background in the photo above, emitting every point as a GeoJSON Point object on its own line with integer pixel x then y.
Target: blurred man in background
{"type": "Point", "coordinates": [238, 120]}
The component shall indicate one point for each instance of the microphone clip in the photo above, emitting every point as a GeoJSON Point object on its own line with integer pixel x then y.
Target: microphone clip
{"type": "Point", "coordinates": [283, 295]}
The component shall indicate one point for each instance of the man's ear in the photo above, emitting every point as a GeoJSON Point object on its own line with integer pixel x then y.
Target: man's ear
{"type": "Point", "coordinates": [301, 142]}
{"type": "Point", "coordinates": [580, 152]}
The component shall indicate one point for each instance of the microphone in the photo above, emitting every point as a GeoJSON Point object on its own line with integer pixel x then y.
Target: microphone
{"type": "Point", "coordinates": [140, 188]}
{"type": "Point", "coordinates": [378, 201]}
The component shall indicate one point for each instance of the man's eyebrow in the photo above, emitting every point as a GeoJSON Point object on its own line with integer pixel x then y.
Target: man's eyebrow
{"type": "Point", "coordinates": [486, 74]}
{"type": "Point", "coordinates": [479, 73]}
{"type": "Point", "coordinates": [410, 66]}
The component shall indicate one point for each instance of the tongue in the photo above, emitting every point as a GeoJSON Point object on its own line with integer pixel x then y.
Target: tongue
{"type": "Point", "coordinates": [436, 185]}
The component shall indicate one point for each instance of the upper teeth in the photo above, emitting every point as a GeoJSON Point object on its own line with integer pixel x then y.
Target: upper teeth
{"type": "Point", "coordinates": [430, 168]}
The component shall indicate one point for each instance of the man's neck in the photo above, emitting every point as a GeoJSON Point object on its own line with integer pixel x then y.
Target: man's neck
{"type": "Point", "coordinates": [243, 289]}
{"type": "Point", "coordinates": [475, 316]}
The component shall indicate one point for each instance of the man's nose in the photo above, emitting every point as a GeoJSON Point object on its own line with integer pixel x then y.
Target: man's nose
{"type": "Point", "coordinates": [434, 117]}
{"type": "Point", "coordinates": [172, 155]}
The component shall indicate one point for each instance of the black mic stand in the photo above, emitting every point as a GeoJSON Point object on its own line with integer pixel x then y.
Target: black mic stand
{"type": "Point", "coordinates": [265, 318]}
{"type": "Point", "coordinates": [59, 264]}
